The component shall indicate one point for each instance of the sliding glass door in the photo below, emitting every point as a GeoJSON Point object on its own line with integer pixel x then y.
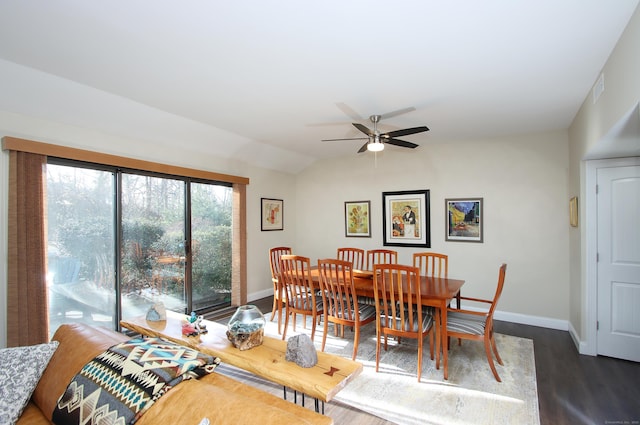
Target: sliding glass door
{"type": "Point", "coordinates": [81, 236]}
{"type": "Point", "coordinates": [122, 240]}
{"type": "Point", "coordinates": [153, 243]}
{"type": "Point", "coordinates": [211, 217]}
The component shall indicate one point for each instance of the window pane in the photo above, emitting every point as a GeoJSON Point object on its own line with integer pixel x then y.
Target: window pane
{"type": "Point", "coordinates": [153, 237]}
{"type": "Point", "coordinates": [80, 226]}
{"type": "Point", "coordinates": [211, 216]}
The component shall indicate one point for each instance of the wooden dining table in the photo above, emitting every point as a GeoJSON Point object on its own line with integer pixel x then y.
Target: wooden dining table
{"type": "Point", "coordinates": [435, 291]}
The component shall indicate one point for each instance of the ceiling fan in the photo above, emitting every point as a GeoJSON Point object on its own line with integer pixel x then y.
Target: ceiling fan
{"type": "Point", "coordinates": [376, 139]}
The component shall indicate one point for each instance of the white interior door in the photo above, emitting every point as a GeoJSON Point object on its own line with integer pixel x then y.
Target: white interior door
{"type": "Point", "coordinates": [618, 204]}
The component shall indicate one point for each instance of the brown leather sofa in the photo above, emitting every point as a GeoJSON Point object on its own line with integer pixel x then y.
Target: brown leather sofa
{"type": "Point", "coordinates": [216, 397]}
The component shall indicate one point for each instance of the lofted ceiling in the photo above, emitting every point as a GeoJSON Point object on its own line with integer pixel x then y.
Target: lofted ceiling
{"type": "Point", "coordinates": [289, 73]}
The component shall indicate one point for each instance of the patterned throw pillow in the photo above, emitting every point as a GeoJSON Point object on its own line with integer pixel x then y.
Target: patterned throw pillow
{"type": "Point", "coordinates": [20, 371]}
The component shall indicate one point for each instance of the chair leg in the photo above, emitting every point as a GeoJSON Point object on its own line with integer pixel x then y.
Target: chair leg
{"type": "Point", "coordinates": [487, 348]}
{"type": "Point", "coordinates": [420, 342]}
{"type": "Point", "coordinates": [281, 307]}
{"type": "Point", "coordinates": [313, 327]}
{"type": "Point", "coordinates": [356, 340]}
{"type": "Point", "coordinates": [274, 308]}
{"type": "Point", "coordinates": [378, 343]}
{"type": "Point", "coordinates": [495, 350]}
{"type": "Point", "coordinates": [431, 339]}
{"type": "Point", "coordinates": [286, 324]}
{"type": "Point", "coordinates": [324, 333]}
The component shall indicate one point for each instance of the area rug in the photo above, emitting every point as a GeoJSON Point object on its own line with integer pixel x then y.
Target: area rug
{"type": "Point", "coordinates": [471, 395]}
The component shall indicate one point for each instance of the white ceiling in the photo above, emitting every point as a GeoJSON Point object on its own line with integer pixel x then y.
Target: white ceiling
{"type": "Point", "coordinates": [289, 73]}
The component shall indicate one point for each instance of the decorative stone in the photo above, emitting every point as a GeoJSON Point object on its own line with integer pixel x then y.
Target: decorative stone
{"type": "Point", "coordinates": [157, 313]}
{"type": "Point", "coordinates": [300, 349]}
{"type": "Point", "coordinates": [246, 327]}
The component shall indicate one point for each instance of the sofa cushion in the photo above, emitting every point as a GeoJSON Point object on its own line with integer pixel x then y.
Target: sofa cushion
{"type": "Point", "coordinates": [125, 380]}
{"type": "Point", "coordinates": [20, 371]}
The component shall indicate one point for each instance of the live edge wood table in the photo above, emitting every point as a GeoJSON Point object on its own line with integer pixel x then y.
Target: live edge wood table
{"type": "Point", "coordinates": [322, 382]}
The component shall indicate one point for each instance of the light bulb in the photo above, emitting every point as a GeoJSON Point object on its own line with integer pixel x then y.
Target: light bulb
{"type": "Point", "coordinates": [375, 146]}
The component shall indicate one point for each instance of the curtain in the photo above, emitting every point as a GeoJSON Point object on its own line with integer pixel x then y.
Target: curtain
{"type": "Point", "coordinates": [27, 303]}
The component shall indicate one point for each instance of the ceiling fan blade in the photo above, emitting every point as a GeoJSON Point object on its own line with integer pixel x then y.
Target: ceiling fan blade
{"type": "Point", "coordinates": [348, 111]}
{"type": "Point", "coordinates": [351, 138]}
{"type": "Point", "coordinates": [405, 132]}
{"type": "Point", "coordinates": [363, 148]}
{"type": "Point", "coordinates": [362, 128]}
{"type": "Point", "coordinates": [401, 143]}
{"type": "Point", "coordinates": [398, 112]}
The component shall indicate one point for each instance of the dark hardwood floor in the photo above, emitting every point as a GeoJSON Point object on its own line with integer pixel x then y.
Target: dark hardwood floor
{"type": "Point", "coordinates": [578, 389]}
{"type": "Point", "coordinates": [572, 388]}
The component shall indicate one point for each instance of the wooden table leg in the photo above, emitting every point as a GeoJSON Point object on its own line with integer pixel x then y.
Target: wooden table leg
{"type": "Point", "coordinates": [443, 334]}
{"type": "Point", "coordinates": [279, 302]}
{"type": "Point", "coordinates": [438, 338]}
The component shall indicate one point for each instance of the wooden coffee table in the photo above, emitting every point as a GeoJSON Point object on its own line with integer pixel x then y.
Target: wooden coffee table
{"type": "Point", "coordinates": [322, 381]}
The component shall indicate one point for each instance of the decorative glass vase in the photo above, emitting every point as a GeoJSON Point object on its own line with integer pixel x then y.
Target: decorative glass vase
{"type": "Point", "coordinates": [246, 327]}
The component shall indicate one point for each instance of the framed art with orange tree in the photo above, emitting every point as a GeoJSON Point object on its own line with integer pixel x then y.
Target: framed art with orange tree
{"type": "Point", "coordinates": [357, 219]}
{"type": "Point", "coordinates": [405, 218]}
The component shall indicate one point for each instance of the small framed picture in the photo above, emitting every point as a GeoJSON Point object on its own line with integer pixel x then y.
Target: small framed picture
{"type": "Point", "coordinates": [464, 220]}
{"type": "Point", "coordinates": [272, 214]}
{"type": "Point", "coordinates": [357, 220]}
{"type": "Point", "coordinates": [573, 211]}
{"type": "Point", "coordinates": [405, 218]}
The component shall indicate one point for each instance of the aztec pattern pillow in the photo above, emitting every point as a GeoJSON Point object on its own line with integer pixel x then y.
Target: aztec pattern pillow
{"type": "Point", "coordinates": [20, 372]}
{"type": "Point", "coordinates": [119, 385]}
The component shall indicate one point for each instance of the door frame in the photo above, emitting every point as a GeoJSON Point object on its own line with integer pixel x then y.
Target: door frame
{"type": "Point", "coordinates": [590, 345]}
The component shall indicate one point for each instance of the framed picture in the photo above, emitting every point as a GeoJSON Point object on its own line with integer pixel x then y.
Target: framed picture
{"type": "Point", "coordinates": [272, 214]}
{"type": "Point", "coordinates": [464, 219]}
{"type": "Point", "coordinates": [405, 218]}
{"type": "Point", "coordinates": [573, 211]}
{"type": "Point", "coordinates": [357, 220]}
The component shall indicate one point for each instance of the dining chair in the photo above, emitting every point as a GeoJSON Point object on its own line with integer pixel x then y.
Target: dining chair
{"type": "Point", "coordinates": [353, 255]}
{"type": "Point", "coordinates": [378, 256]}
{"type": "Point", "coordinates": [434, 265]}
{"type": "Point", "coordinates": [399, 309]}
{"type": "Point", "coordinates": [431, 264]}
{"type": "Point", "coordinates": [381, 256]}
{"type": "Point", "coordinates": [341, 306]}
{"type": "Point", "coordinates": [299, 294]}
{"type": "Point", "coordinates": [478, 325]}
{"type": "Point", "coordinates": [274, 263]}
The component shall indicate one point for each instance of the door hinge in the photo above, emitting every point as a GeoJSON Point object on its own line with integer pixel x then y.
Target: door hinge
{"type": "Point", "coordinates": [596, 189]}
{"type": "Point", "coordinates": [598, 325]}
{"type": "Point", "coordinates": [597, 257]}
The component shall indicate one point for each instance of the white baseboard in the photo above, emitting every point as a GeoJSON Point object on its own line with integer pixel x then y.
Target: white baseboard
{"type": "Point", "coordinates": [524, 319]}
{"type": "Point", "coordinates": [260, 294]}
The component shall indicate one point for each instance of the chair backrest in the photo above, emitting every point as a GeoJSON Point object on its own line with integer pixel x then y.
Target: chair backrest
{"type": "Point", "coordinates": [338, 290]}
{"type": "Point", "coordinates": [431, 264]}
{"type": "Point", "coordinates": [398, 294]}
{"type": "Point", "coordinates": [381, 256]}
{"type": "Point", "coordinates": [274, 259]}
{"type": "Point", "coordinates": [496, 297]}
{"type": "Point", "coordinates": [354, 255]}
{"type": "Point", "coordinates": [295, 278]}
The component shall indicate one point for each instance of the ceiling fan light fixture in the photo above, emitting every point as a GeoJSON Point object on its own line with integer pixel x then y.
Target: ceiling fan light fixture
{"type": "Point", "coordinates": [375, 145]}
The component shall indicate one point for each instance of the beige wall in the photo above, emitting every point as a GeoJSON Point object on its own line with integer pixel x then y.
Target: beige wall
{"type": "Point", "coordinates": [593, 121]}
{"type": "Point", "coordinates": [523, 180]}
